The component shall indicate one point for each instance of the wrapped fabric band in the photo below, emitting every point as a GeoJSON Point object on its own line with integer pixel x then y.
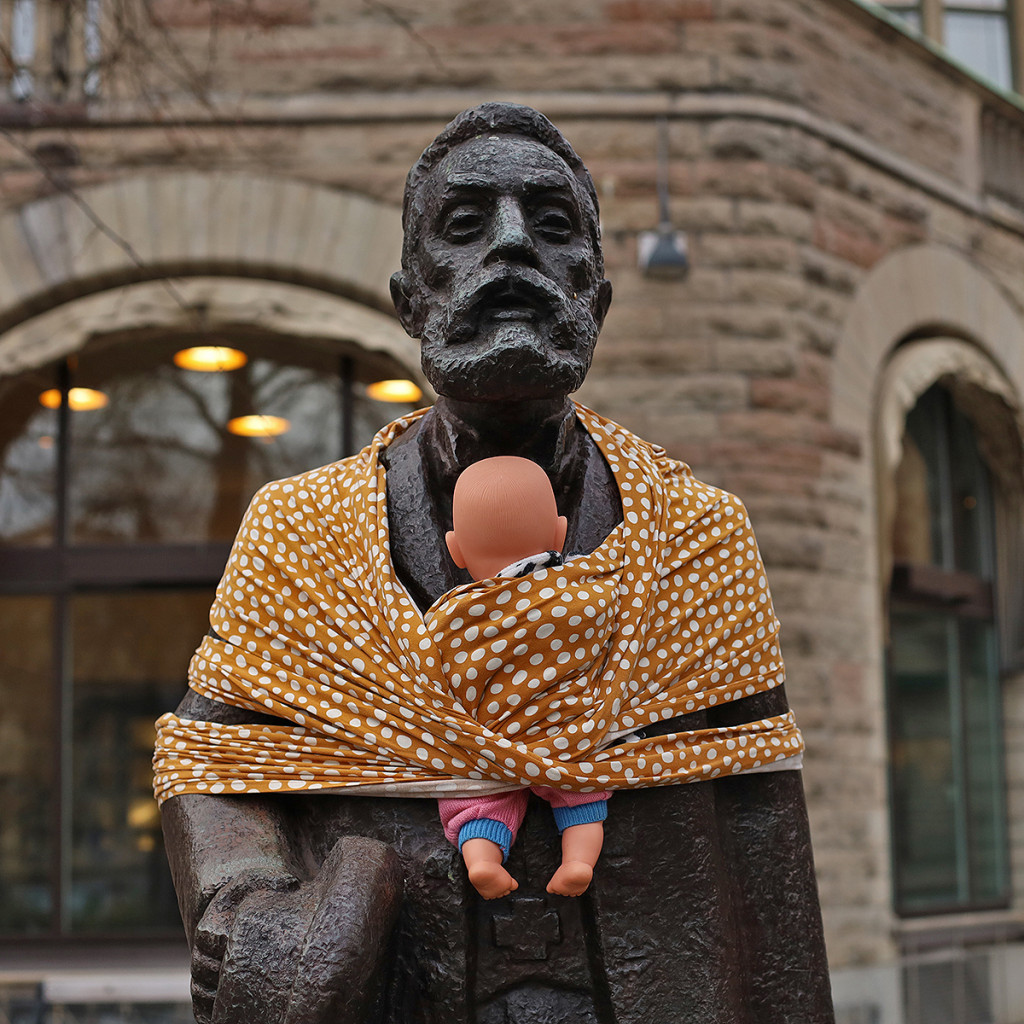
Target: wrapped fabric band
{"type": "Point", "coordinates": [503, 683]}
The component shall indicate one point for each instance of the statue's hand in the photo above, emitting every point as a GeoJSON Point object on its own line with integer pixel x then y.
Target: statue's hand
{"type": "Point", "coordinates": [281, 951]}
{"type": "Point", "coordinates": [211, 937]}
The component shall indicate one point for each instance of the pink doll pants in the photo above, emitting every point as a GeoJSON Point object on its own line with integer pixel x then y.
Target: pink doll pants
{"type": "Point", "coordinates": [497, 816]}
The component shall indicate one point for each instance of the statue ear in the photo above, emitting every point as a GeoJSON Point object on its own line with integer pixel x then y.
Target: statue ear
{"type": "Point", "coordinates": [454, 549]}
{"type": "Point", "coordinates": [404, 304]}
{"type": "Point", "coordinates": [602, 300]}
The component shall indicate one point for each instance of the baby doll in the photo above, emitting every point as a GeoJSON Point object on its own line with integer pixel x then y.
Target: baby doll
{"type": "Point", "coordinates": [506, 524]}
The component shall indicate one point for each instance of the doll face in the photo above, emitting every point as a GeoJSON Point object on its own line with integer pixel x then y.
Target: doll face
{"type": "Point", "coordinates": [503, 292]}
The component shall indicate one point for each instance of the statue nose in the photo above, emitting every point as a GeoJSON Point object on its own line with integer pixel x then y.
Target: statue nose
{"type": "Point", "coordinates": [510, 234]}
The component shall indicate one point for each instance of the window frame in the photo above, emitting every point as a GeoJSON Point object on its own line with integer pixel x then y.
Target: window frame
{"type": "Point", "coordinates": [63, 570]}
{"type": "Point", "coordinates": [914, 368]}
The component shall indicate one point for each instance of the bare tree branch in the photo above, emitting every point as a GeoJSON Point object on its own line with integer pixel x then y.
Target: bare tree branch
{"type": "Point", "coordinates": [404, 22]}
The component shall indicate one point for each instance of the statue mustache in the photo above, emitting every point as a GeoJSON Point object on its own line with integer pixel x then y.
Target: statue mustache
{"type": "Point", "coordinates": [523, 284]}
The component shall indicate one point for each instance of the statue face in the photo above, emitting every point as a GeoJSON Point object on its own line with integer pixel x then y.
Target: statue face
{"type": "Point", "coordinates": [503, 292]}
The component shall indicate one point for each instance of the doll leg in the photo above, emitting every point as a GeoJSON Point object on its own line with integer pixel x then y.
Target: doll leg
{"type": "Point", "coordinates": [579, 818]}
{"type": "Point", "coordinates": [484, 829]}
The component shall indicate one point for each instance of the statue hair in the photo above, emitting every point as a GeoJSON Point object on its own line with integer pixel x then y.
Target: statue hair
{"type": "Point", "coordinates": [500, 119]}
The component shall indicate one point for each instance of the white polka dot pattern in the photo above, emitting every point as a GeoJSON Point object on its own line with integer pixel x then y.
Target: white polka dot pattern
{"type": "Point", "coordinates": [502, 683]}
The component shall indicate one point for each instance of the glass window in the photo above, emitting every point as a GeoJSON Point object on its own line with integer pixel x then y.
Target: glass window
{"type": "Point", "coordinates": [909, 13]}
{"type": "Point", "coordinates": [981, 40]}
{"type": "Point", "coordinates": [975, 32]}
{"type": "Point", "coordinates": [946, 776]}
{"type": "Point", "coordinates": [128, 652]}
{"type": "Point", "coordinates": [27, 764]}
{"type": "Point", "coordinates": [28, 461]}
{"type": "Point", "coordinates": [123, 478]}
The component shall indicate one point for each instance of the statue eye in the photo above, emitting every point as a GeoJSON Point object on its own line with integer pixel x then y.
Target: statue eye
{"type": "Point", "coordinates": [462, 224]}
{"type": "Point", "coordinates": [553, 223]}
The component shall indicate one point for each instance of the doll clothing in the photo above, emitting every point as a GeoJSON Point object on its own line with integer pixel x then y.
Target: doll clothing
{"type": "Point", "coordinates": [497, 816]}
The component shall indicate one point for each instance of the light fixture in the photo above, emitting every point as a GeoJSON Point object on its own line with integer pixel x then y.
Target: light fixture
{"type": "Point", "coordinates": [79, 399]}
{"type": "Point", "coordinates": [210, 358]}
{"type": "Point", "coordinates": [662, 252]}
{"type": "Point", "coordinates": [259, 426]}
{"type": "Point", "coordinates": [394, 391]}
{"type": "Point", "coordinates": [143, 813]}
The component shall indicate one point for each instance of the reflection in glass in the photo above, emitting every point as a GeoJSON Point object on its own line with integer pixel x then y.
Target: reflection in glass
{"type": "Point", "coordinates": [160, 464]}
{"type": "Point", "coordinates": [80, 845]}
{"type": "Point", "coordinates": [27, 764]}
{"type": "Point", "coordinates": [921, 528]}
{"type": "Point", "coordinates": [28, 462]}
{"type": "Point", "coordinates": [908, 13]}
{"type": "Point", "coordinates": [949, 829]}
{"type": "Point", "coordinates": [985, 824]}
{"type": "Point", "coordinates": [981, 41]}
{"type": "Point", "coordinates": [970, 500]}
{"type": "Point", "coordinates": [923, 762]}
{"type": "Point", "coordinates": [131, 654]}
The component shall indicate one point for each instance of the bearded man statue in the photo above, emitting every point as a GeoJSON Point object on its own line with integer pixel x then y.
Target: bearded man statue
{"type": "Point", "coordinates": [354, 674]}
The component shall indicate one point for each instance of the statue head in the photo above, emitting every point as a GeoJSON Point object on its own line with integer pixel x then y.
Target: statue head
{"type": "Point", "coordinates": [502, 274]}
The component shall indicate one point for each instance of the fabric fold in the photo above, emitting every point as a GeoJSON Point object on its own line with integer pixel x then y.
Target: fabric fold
{"type": "Point", "coordinates": [503, 683]}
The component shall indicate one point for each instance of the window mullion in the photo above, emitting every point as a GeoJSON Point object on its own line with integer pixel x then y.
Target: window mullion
{"type": "Point", "coordinates": [62, 664]}
{"type": "Point", "coordinates": [1015, 15]}
{"type": "Point", "coordinates": [947, 538]}
{"type": "Point", "coordinates": [958, 753]}
{"type": "Point", "coordinates": [63, 454]}
{"type": "Point", "coordinates": [347, 407]}
{"type": "Point", "coordinates": [931, 20]}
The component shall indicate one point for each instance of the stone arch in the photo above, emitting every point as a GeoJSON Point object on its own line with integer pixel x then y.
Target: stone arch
{"type": "Point", "coordinates": [189, 222]}
{"type": "Point", "coordinates": [148, 251]}
{"type": "Point", "coordinates": [925, 288]}
{"type": "Point", "coordinates": [290, 310]}
{"type": "Point", "coordinates": [988, 398]}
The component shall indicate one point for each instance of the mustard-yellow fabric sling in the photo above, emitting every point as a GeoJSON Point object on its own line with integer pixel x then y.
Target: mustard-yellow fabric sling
{"type": "Point", "coordinates": [503, 683]}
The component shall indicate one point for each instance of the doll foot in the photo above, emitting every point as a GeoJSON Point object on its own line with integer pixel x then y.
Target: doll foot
{"type": "Point", "coordinates": [571, 879]}
{"type": "Point", "coordinates": [492, 881]}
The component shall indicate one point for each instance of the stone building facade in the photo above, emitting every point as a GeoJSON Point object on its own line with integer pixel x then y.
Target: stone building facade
{"type": "Point", "coordinates": [853, 203]}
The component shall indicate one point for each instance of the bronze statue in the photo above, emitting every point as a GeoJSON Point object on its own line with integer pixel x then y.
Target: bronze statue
{"type": "Point", "coordinates": [315, 908]}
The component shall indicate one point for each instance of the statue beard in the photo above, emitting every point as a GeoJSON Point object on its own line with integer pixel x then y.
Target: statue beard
{"type": "Point", "coordinates": [470, 356]}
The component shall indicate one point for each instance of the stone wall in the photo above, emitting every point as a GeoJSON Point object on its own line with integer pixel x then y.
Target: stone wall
{"type": "Point", "coordinates": [808, 143]}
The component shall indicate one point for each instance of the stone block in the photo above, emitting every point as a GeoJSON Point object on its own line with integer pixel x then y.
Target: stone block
{"type": "Point", "coordinates": [792, 547]}
{"type": "Point", "coordinates": [45, 231]}
{"type": "Point", "coordinates": [776, 288]}
{"type": "Point", "coordinates": [258, 14]}
{"type": "Point", "coordinates": [20, 275]}
{"type": "Point", "coordinates": [755, 356]}
{"type": "Point", "coordinates": [229, 214]}
{"type": "Point", "coordinates": [751, 251]}
{"type": "Point", "coordinates": [767, 217]}
{"type": "Point", "coordinates": [797, 396]}
{"type": "Point", "coordinates": [259, 216]}
{"type": "Point", "coordinates": [574, 40]}
{"type": "Point", "coordinates": [659, 10]}
{"type": "Point", "coordinates": [735, 138]}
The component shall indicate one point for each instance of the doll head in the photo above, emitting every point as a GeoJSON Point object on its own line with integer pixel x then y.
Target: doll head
{"type": "Point", "coordinates": [503, 510]}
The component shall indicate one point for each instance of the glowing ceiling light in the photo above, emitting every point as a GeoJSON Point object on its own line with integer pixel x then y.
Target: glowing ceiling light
{"type": "Point", "coordinates": [79, 399]}
{"type": "Point", "coordinates": [210, 358]}
{"type": "Point", "coordinates": [394, 391]}
{"type": "Point", "coordinates": [258, 426]}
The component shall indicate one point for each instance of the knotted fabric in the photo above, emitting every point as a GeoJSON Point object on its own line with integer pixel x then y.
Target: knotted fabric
{"type": "Point", "coordinates": [548, 679]}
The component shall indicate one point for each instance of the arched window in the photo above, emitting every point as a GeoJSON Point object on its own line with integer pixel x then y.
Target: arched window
{"type": "Point", "coordinates": [123, 477]}
{"type": "Point", "coordinates": [945, 723]}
